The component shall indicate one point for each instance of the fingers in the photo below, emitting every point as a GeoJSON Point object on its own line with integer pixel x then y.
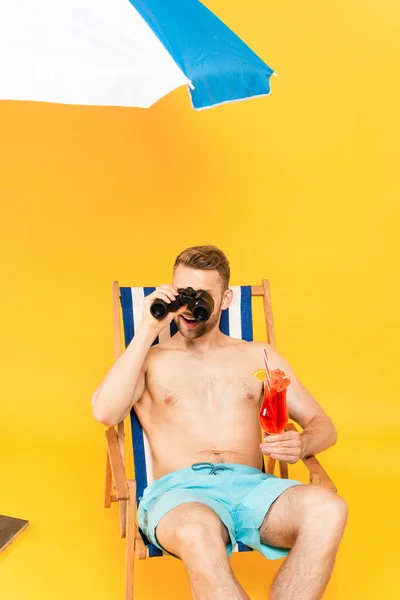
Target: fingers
{"type": "Point", "coordinates": [280, 437]}
{"type": "Point", "coordinates": [289, 455]}
{"type": "Point", "coordinates": [170, 291]}
{"type": "Point", "coordinates": [291, 459]}
{"type": "Point", "coordinates": [284, 444]}
{"type": "Point", "coordinates": [166, 293]}
{"type": "Point", "coordinates": [279, 450]}
{"type": "Point", "coordinates": [162, 296]}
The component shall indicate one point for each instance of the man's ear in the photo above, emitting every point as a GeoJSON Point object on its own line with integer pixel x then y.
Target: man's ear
{"type": "Point", "coordinates": [227, 299]}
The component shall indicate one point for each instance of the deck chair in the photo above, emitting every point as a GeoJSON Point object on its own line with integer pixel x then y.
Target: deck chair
{"type": "Point", "coordinates": [235, 321]}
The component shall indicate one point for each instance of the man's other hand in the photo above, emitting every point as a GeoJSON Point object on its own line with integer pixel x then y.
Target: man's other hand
{"type": "Point", "coordinates": [285, 446]}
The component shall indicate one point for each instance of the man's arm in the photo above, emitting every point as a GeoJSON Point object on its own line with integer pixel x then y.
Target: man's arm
{"type": "Point", "coordinates": [124, 383]}
{"type": "Point", "coordinates": [319, 433]}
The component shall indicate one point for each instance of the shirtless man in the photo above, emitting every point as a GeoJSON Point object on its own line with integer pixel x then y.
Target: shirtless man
{"type": "Point", "coordinates": [198, 403]}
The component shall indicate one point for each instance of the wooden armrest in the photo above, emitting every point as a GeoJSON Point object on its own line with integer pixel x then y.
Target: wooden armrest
{"type": "Point", "coordinates": [318, 474]}
{"type": "Point", "coordinates": [117, 465]}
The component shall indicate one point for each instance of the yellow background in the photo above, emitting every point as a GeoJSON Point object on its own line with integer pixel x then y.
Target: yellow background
{"type": "Point", "coordinates": [301, 187]}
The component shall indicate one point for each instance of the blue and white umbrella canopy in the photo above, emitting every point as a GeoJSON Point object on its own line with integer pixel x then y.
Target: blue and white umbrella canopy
{"type": "Point", "coordinates": [123, 53]}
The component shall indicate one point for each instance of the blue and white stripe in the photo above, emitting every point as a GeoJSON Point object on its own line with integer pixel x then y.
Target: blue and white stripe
{"type": "Point", "coordinates": [123, 53]}
{"type": "Point", "coordinates": [236, 321]}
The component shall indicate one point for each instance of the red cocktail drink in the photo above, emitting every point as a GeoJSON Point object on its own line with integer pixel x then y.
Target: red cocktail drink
{"type": "Point", "coordinates": [274, 415]}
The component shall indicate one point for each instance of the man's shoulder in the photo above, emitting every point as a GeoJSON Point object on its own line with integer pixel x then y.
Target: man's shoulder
{"type": "Point", "coordinates": [257, 347]}
{"type": "Point", "coordinates": [253, 349]}
{"type": "Point", "coordinates": [163, 348]}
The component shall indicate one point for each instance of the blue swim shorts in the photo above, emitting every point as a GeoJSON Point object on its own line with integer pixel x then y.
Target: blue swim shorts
{"type": "Point", "coordinates": [240, 495]}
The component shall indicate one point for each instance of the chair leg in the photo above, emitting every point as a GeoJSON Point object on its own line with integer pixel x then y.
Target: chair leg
{"type": "Point", "coordinates": [122, 517]}
{"type": "Point", "coordinates": [130, 541]}
{"type": "Point", "coordinates": [122, 503]}
{"type": "Point", "coordinates": [107, 497]}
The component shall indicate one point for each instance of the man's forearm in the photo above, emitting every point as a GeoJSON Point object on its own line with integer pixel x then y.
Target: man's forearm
{"type": "Point", "coordinates": [319, 435]}
{"type": "Point", "coordinates": [113, 398]}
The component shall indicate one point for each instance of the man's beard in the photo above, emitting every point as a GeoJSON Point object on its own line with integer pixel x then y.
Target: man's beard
{"type": "Point", "coordinates": [201, 329]}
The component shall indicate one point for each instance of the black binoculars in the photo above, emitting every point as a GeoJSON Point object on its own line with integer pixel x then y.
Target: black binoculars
{"type": "Point", "coordinates": [200, 304]}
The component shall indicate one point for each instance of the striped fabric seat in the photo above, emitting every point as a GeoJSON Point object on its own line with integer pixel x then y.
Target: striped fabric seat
{"type": "Point", "coordinates": [236, 321]}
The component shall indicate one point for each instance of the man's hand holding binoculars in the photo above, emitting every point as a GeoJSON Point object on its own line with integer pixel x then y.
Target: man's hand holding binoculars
{"type": "Point", "coordinates": [168, 294]}
{"type": "Point", "coordinates": [167, 302]}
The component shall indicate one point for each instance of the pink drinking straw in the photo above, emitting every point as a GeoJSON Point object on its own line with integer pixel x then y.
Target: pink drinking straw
{"type": "Point", "coordinates": [267, 370]}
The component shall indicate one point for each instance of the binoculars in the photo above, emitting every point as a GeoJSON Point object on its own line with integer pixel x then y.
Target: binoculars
{"type": "Point", "coordinates": [200, 304]}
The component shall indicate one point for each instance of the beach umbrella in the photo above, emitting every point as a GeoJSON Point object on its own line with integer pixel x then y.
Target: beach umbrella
{"type": "Point", "coordinates": [123, 53]}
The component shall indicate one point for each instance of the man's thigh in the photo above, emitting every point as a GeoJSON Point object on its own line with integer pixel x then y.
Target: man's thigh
{"type": "Point", "coordinates": [289, 512]}
{"type": "Point", "coordinates": [177, 516]}
{"type": "Point", "coordinates": [188, 526]}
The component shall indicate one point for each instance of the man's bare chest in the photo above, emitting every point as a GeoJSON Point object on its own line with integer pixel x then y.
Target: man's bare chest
{"type": "Point", "coordinates": [207, 383]}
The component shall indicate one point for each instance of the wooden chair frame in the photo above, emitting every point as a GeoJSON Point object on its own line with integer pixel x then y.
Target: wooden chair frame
{"type": "Point", "coordinates": [122, 490]}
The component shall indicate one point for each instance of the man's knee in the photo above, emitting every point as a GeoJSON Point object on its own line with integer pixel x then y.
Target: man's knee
{"type": "Point", "coordinates": [304, 509]}
{"type": "Point", "coordinates": [190, 527]}
{"type": "Point", "coordinates": [201, 525]}
{"type": "Point", "coordinates": [323, 508]}
{"type": "Point", "coordinates": [195, 532]}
